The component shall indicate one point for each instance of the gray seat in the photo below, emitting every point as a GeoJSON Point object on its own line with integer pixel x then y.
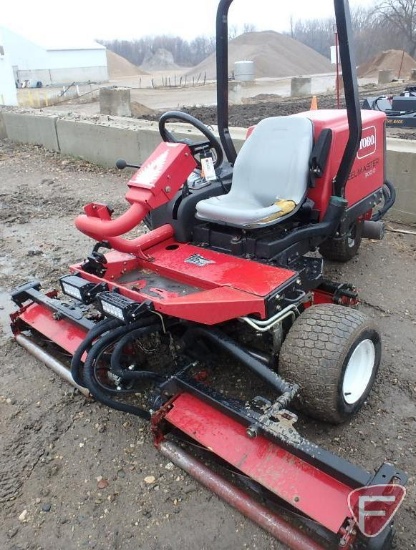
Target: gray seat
{"type": "Point", "coordinates": [270, 176]}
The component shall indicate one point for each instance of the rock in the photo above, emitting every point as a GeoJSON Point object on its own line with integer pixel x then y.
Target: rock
{"type": "Point", "coordinates": [102, 483]}
{"type": "Point", "coordinates": [34, 252]}
{"type": "Point", "coordinates": [13, 532]}
{"type": "Point", "coordinates": [149, 479]}
{"type": "Point", "coordinates": [46, 507]}
{"type": "Point", "coordinates": [189, 489]}
{"type": "Point", "coordinates": [23, 516]}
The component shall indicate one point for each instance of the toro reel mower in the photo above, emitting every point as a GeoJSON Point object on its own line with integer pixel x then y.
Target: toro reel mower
{"type": "Point", "coordinates": [217, 324]}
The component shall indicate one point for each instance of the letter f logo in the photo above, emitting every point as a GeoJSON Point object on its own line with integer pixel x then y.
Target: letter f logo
{"type": "Point", "coordinates": [373, 507]}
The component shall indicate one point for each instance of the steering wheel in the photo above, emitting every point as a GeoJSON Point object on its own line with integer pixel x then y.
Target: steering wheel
{"type": "Point", "coordinates": [196, 147]}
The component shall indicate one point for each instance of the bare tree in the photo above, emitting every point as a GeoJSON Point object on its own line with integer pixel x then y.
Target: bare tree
{"type": "Point", "coordinates": [249, 27]}
{"type": "Point", "coordinates": [399, 15]}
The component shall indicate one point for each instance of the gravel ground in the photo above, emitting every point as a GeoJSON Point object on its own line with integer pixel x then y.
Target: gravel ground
{"type": "Point", "coordinates": [74, 474]}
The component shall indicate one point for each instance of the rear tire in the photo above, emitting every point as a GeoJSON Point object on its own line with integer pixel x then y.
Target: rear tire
{"type": "Point", "coordinates": [333, 353]}
{"type": "Point", "coordinates": [343, 249]}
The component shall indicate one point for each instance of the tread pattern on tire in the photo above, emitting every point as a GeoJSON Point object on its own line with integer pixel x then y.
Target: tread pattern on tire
{"type": "Point", "coordinates": [313, 353]}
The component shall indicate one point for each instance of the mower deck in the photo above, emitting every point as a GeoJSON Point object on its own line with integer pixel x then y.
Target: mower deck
{"type": "Point", "coordinates": [276, 469]}
{"type": "Point", "coordinates": [303, 476]}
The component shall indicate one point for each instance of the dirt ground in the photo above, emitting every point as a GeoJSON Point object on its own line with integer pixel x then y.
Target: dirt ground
{"type": "Point", "coordinates": [73, 473]}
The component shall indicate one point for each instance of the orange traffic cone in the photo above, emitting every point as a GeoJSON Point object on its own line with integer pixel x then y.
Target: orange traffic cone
{"type": "Point", "coordinates": [314, 104]}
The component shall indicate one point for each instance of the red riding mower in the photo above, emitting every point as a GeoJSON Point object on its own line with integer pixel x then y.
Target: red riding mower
{"type": "Point", "coordinates": [223, 292]}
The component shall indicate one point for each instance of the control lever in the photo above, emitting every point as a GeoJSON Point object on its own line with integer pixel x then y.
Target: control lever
{"type": "Point", "coordinates": [121, 164]}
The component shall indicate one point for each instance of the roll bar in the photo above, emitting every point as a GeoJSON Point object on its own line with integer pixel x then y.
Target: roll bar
{"type": "Point", "coordinates": [348, 65]}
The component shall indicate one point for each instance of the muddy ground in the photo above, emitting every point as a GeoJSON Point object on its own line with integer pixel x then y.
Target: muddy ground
{"type": "Point", "coordinates": [74, 474]}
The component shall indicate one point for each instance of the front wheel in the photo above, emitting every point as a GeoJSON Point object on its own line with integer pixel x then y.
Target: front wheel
{"type": "Point", "coordinates": [333, 353]}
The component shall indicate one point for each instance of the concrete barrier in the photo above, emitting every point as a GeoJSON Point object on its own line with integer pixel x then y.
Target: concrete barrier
{"type": "Point", "coordinates": [401, 171]}
{"type": "Point", "coordinates": [300, 85]}
{"type": "Point", "coordinates": [386, 76]}
{"type": "Point", "coordinates": [28, 128]}
{"type": "Point", "coordinates": [103, 145]}
{"type": "Point", "coordinates": [3, 131]}
{"type": "Point", "coordinates": [115, 101]}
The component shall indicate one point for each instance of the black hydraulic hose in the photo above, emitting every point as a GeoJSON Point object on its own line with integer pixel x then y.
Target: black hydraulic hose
{"type": "Point", "coordinates": [389, 193]}
{"type": "Point", "coordinates": [233, 348]}
{"type": "Point", "coordinates": [92, 385]}
{"type": "Point", "coordinates": [126, 374]}
{"type": "Point", "coordinates": [98, 330]}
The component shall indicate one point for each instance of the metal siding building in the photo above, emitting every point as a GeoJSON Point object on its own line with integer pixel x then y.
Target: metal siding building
{"type": "Point", "coordinates": [55, 64]}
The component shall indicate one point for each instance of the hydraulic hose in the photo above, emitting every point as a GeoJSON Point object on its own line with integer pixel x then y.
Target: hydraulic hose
{"type": "Point", "coordinates": [98, 330]}
{"type": "Point", "coordinates": [118, 351]}
{"type": "Point", "coordinates": [389, 193]}
{"type": "Point", "coordinates": [106, 325]}
{"type": "Point", "coordinates": [89, 375]}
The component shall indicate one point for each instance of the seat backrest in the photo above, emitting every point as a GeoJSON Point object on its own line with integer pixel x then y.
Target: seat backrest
{"type": "Point", "coordinates": [273, 163]}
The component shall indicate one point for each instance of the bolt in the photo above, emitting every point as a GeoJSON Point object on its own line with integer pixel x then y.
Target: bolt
{"type": "Point", "coordinates": [251, 432]}
{"type": "Point", "coordinates": [168, 189]}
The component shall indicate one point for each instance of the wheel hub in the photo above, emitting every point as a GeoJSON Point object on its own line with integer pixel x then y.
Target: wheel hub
{"type": "Point", "coordinates": [358, 371]}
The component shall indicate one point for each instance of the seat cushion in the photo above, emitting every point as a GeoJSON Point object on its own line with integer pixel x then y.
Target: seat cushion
{"type": "Point", "coordinates": [249, 214]}
{"type": "Point", "coordinates": [270, 177]}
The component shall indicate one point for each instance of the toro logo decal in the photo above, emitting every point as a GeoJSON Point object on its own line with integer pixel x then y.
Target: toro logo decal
{"type": "Point", "coordinates": [373, 507]}
{"type": "Point", "coordinates": [368, 142]}
{"type": "Point", "coordinates": [150, 172]}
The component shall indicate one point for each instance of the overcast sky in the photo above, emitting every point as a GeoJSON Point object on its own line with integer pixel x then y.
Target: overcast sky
{"type": "Point", "coordinates": [127, 19]}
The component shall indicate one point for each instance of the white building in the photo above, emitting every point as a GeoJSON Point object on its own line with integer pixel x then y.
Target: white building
{"type": "Point", "coordinates": [54, 64]}
{"type": "Point", "coordinates": [8, 94]}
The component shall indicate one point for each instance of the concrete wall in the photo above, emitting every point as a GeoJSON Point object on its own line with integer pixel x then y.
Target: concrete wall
{"type": "Point", "coordinates": [401, 171]}
{"type": "Point", "coordinates": [64, 76]}
{"type": "Point", "coordinates": [3, 131]}
{"type": "Point", "coordinates": [28, 128]}
{"type": "Point", "coordinates": [103, 143]}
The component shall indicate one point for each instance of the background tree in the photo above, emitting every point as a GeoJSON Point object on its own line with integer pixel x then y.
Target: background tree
{"type": "Point", "coordinates": [399, 17]}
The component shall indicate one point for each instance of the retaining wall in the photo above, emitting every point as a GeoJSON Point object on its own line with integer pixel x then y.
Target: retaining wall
{"type": "Point", "coordinates": [102, 141]}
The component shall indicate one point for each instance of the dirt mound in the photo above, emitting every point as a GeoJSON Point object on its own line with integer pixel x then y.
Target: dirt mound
{"type": "Point", "coordinates": [139, 110]}
{"type": "Point", "coordinates": [395, 60]}
{"type": "Point", "coordinates": [274, 55]}
{"type": "Point", "coordinates": [118, 66]}
{"type": "Point", "coordinates": [160, 60]}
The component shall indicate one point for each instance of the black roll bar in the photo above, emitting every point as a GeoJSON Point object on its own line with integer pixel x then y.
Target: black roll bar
{"type": "Point", "coordinates": [222, 80]}
{"type": "Point", "coordinates": [348, 65]}
{"type": "Point", "coordinates": [349, 75]}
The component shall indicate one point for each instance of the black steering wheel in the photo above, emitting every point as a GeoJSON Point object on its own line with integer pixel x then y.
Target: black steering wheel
{"type": "Point", "coordinates": [196, 147]}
